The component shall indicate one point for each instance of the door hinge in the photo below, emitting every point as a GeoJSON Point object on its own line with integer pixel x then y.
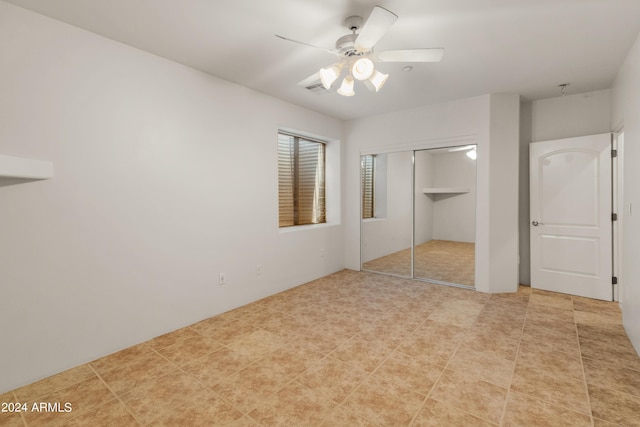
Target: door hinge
{"type": "Point", "coordinates": [614, 280]}
{"type": "Point", "coordinates": [614, 217]}
{"type": "Point", "coordinates": [614, 153]}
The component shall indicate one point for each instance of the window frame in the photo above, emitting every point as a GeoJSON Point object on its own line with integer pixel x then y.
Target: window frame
{"type": "Point", "coordinates": [317, 215]}
{"type": "Point", "coordinates": [368, 186]}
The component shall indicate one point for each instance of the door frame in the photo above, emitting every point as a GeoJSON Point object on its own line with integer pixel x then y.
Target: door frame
{"type": "Point", "coordinates": [617, 205]}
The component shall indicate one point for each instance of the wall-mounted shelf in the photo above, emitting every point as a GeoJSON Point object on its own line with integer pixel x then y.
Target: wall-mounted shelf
{"type": "Point", "coordinates": [19, 167]}
{"type": "Point", "coordinates": [446, 190]}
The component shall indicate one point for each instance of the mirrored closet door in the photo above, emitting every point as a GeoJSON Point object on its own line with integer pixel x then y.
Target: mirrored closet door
{"type": "Point", "coordinates": [387, 203]}
{"type": "Point", "coordinates": [418, 214]}
{"type": "Point", "coordinates": [444, 211]}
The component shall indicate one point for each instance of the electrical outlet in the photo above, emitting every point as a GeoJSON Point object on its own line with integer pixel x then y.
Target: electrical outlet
{"type": "Point", "coordinates": [321, 252]}
{"type": "Point", "coordinates": [258, 270]}
{"type": "Point", "coordinates": [222, 279]}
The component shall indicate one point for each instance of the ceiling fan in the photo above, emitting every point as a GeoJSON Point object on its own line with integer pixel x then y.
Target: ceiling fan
{"type": "Point", "coordinates": [358, 58]}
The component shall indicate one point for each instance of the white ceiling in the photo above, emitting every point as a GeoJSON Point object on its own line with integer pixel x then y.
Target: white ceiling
{"type": "Point", "coordinates": [521, 46]}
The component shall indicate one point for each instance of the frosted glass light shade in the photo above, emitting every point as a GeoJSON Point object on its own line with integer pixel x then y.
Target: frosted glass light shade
{"type": "Point", "coordinates": [362, 69]}
{"type": "Point", "coordinates": [330, 75]}
{"type": "Point", "coordinates": [377, 80]}
{"type": "Point", "coordinates": [346, 89]}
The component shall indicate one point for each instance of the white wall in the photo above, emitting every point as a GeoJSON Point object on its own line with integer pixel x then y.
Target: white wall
{"type": "Point", "coordinates": [555, 118]}
{"type": "Point", "coordinates": [165, 177]}
{"type": "Point", "coordinates": [625, 113]}
{"type": "Point", "coordinates": [503, 197]}
{"type": "Point", "coordinates": [454, 215]}
{"type": "Point", "coordinates": [423, 204]}
{"type": "Point", "coordinates": [461, 122]}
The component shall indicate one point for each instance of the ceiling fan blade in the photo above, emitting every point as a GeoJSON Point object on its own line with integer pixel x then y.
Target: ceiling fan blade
{"type": "Point", "coordinates": [313, 78]}
{"type": "Point", "coordinates": [306, 44]}
{"type": "Point", "coordinates": [376, 26]}
{"type": "Point", "coordinates": [411, 55]}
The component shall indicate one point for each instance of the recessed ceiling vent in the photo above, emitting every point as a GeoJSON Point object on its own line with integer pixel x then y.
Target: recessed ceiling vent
{"type": "Point", "coordinates": [316, 87]}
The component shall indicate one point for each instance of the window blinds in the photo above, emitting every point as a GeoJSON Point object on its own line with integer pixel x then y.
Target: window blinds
{"type": "Point", "coordinates": [367, 180]}
{"type": "Point", "coordinates": [301, 181]}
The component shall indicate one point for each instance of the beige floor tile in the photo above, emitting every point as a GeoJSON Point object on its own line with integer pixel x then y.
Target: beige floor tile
{"type": "Point", "coordinates": [10, 415]}
{"type": "Point", "coordinates": [120, 358]}
{"type": "Point", "coordinates": [488, 367]}
{"type": "Point", "coordinates": [332, 379]}
{"type": "Point", "coordinates": [359, 349]}
{"type": "Point", "coordinates": [284, 325]}
{"type": "Point", "coordinates": [487, 340]}
{"type": "Point", "coordinates": [460, 313]}
{"type": "Point", "coordinates": [294, 405]}
{"type": "Point", "coordinates": [611, 375]}
{"type": "Point", "coordinates": [384, 403]}
{"type": "Point", "coordinates": [614, 406]}
{"type": "Point", "coordinates": [362, 354]}
{"type": "Point", "coordinates": [601, 423]}
{"type": "Point", "coordinates": [620, 351]}
{"type": "Point", "coordinates": [532, 355]}
{"type": "Point", "coordinates": [604, 332]}
{"type": "Point", "coordinates": [53, 383]}
{"type": "Point", "coordinates": [230, 331]}
{"type": "Point", "coordinates": [413, 373]}
{"type": "Point", "coordinates": [608, 308]}
{"type": "Point", "coordinates": [551, 338]}
{"type": "Point", "coordinates": [524, 410]}
{"type": "Point", "coordinates": [314, 339]}
{"type": "Point", "coordinates": [564, 390]}
{"type": "Point", "coordinates": [547, 298]}
{"type": "Point", "coordinates": [245, 421]}
{"type": "Point", "coordinates": [81, 397]}
{"type": "Point", "coordinates": [112, 413]}
{"type": "Point", "coordinates": [258, 343]}
{"type": "Point", "coordinates": [433, 341]}
{"type": "Point", "coordinates": [383, 331]}
{"type": "Point", "coordinates": [246, 388]}
{"type": "Point", "coordinates": [11, 419]}
{"type": "Point", "coordinates": [466, 393]}
{"type": "Point", "coordinates": [177, 399]}
{"type": "Point", "coordinates": [342, 417]}
{"type": "Point", "coordinates": [539, 311]}
{"type": "Point", "coordinates": [172, 338]}
{"type": "Point", "coordinates": [436, 414]}
{"type": "Point", "coordinates": [214, 367]}
{"type": "Point", "coordinates": [189, 350]}
{"type": "Point", "coordinates": [134, 374]}
{"type": "Point", "coordinates": [291, 359]}
{"type": "Point", "coordinates": [596, 319]}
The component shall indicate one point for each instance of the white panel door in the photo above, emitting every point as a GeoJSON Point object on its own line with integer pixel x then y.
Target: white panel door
{"type": "Point", "coordinates": [570, 183]}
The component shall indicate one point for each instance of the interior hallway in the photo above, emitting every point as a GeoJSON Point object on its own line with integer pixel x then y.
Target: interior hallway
{"type": "Point", "coordinates": [359, 349]}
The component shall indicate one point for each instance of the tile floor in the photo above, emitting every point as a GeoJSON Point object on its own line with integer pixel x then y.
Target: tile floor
{"type": "Point", "coordinates": [358, 349]}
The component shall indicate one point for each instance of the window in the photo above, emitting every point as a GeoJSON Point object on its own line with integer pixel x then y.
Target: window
{"type": "Point", "coordinates": [368, 186]}
{"type": "Point", "coordinates": [301, 180]}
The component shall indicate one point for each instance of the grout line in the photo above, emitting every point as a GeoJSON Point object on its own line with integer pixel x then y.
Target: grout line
{"type": "Point", "coordinates": [515, 362]}
{"type": "Point", "coordinates": [584, 373]}
{"type": "Point", "coordinates": [115, 395]}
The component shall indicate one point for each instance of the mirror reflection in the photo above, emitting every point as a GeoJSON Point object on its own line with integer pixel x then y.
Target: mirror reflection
{"type": "Point", "coordinates": [445, 207]}
{"type": "Point", "coordinates": [421, 205]}
{"type": "Point", "coordinates": [386, 187]}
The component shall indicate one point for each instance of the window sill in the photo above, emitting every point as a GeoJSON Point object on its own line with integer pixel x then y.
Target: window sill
{"type": "Point", "coordinates": [373, 220]}
{"type": "Point", "coordinates": [294, 228]}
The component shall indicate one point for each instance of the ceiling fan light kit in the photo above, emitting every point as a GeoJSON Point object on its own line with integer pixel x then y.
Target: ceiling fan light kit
{"type": "Point", "coordinates": [346, 88]}
{"type": "Point", "coordinates": [356, 54]}
{"type": "Point", "coordinates": [330, 75]}
{"type": "Point", "coordinates": [362, 69]}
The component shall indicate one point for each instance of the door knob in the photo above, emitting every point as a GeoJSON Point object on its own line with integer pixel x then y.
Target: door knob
{"type": "Point", "coordinates": [535, 223]}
